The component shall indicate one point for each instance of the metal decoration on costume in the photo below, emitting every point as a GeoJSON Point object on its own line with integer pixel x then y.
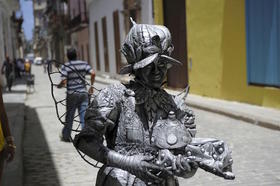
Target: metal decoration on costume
{"type": "Point", "coordinates": [212, 155]}
{"type": "Point", "coordinates": [173, 139]}
{"type": "Point", "coordinates": [170, 133]}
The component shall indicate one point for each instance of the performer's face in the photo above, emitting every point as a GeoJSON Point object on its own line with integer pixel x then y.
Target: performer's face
{"type": "Point", "coordinates": [153, 74]}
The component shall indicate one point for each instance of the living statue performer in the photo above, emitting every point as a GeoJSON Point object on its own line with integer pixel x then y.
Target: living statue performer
{"type": "Point", "coordinates": [150, 134]}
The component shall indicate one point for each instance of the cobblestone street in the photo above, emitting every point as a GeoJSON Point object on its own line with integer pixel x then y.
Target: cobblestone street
{"type": "Point", "coordinates": [48, 161]}
{"type": "Point", "coordinates": [255, 151]}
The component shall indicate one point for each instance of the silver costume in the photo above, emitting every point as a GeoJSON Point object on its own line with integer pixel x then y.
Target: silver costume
{"type": "Point", "coordinates": [150, 135]}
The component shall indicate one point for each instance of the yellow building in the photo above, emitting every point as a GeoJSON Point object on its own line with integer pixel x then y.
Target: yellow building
{"type": "Point", "coordinates": [217, 55]}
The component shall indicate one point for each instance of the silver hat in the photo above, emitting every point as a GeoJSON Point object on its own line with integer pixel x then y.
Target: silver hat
{"type": "Point", "coordinates": [144, 44]}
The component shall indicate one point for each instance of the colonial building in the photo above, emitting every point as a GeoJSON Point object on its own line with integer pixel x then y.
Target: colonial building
{"type": "Point", "coordinates": [109, 22]}
{"type": "Point", "coordinates": [108, 25]}
{"type": "Point", "coordinates": [78, 27]}
{"type": "Point", "coordinates": [56, 15]}
{"type": "Point", "coordinates": [40, 29]}
{"type": "Point", "coordinates": [10, 31]}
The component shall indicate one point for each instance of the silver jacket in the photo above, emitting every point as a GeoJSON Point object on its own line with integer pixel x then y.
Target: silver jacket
{"type": "Point", "coordinates": [125, 115]}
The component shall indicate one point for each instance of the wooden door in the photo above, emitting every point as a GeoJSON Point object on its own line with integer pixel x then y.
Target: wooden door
{"type": "Point", "coordinates": [96, 46]}
{"type": "Point", "coordinates": [175, 21]}
{"type": "Point", "coordinates": [105, 44]}
{"type": "Point", "coordinates": [117, 40]}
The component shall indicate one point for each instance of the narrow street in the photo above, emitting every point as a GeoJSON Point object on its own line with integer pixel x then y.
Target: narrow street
{"type": "Point", "coordinates": [48, 161]}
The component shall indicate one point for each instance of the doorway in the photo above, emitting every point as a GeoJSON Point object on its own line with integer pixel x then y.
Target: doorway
{"type": "Point", "coordinates": [175, 21]}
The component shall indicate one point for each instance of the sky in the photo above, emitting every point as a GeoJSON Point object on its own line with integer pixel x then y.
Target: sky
{"type": "Point", "coordinates": [28, 23]}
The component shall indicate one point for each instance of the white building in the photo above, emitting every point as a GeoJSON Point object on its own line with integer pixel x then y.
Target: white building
{"type": "Point", "coordinates": [8, 44]}
{"type": "Point", "coordinates": [40, 29]}
{"type": "Point", "coordinates": [108, 25]}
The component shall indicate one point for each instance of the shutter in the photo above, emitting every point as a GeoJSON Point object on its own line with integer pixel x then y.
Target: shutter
{"type": "Point", "coordinates": [263, 42]}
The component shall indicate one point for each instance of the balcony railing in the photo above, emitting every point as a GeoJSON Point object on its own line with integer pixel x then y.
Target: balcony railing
{"type": "Point", "coordinates": [78, 22]}
{"type": "Point", "coordinates": [40, 6]}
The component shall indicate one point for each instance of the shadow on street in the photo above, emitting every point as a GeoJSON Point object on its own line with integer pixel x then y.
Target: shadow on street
{"type": "Point", "coordinates": [39, 168]}
{"type": "Point", "coordinates": [15, 112]}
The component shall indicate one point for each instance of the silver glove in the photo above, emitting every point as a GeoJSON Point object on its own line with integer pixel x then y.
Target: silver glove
{"type": "Point", "coordinates": [138, 165]}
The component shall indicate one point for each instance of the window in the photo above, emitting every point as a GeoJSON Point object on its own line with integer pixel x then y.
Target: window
{"type": "Point", "coordinates": [96, 45]}
{"type": "Point", "coordinates": [79, 3]}
{"type": "Point", "coordinates": [263, 42]}
{"type": "Point", "coordinates": [73, 14]}
{"type": "Point", "coordinates": [105, 44]}
{"type": "Point", "coordinates": [117, 39]}
{"type": "Point", "coordinates": [88, 58]}
{"type": "Point", "coordinates": [82, 52]}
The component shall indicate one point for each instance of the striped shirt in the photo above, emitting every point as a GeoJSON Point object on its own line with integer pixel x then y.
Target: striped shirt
{"type": "Point", "coordinates": [74, 72]}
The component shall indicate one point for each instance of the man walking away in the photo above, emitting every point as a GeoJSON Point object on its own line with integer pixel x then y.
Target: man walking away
{"type": "Point", "coordinates": [73, 77]}
{"type": "Point", "coordinates": [8, 69]}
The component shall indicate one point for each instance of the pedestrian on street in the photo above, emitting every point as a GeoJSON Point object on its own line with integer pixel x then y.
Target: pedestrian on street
{"type": "Point", "coordinates": [27, 67]}
{"type": "Point", "coordinates": [7, 147]}
{"type": "Point", "coordinates": [18, 67]}
{"type": "Point", "coordinates": [49, 65]}
{"type": "Point", "coordinates": [73, 77]}
{"type": "Point", "coordinates": [8, 69]}
{"type": "Point", "coordinates": [45, 65]}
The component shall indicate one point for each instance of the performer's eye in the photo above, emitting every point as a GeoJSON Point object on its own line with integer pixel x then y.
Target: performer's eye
{"type": "Point", "coordinates": [161, 64]}
{"type": "Point", "coordinates": [149, 67]}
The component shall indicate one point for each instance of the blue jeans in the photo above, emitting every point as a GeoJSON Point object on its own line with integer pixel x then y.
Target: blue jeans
{"type": "Point", "coordinates": [74, 101]}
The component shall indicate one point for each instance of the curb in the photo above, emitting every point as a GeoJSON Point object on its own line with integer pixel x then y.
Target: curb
{"type": "Point", "coordinates": [237, 116]}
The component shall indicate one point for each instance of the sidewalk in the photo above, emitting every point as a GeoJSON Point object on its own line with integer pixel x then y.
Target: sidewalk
{"type": "Point", "coordinates": [15, 105]}
{"type": "Point", "coordinates": [262, 116]}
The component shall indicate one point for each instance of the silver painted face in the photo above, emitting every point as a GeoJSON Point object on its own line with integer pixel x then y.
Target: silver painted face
{"type": "Point", "coordinates": [153, 74]}
{"type": "Point", "coordinates": [143, 44]}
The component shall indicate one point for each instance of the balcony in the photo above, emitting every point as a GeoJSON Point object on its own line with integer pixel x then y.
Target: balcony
{"type": "Point", "coordinates": [39, 6]}
{"type": "Point", "coordinates": [17, 20]}
{"type": "Point", "coordinates": [10, 6]}
{"type": "Point", "coordinates": [78, 22]}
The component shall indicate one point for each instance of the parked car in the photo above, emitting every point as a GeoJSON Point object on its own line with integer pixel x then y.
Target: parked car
{"type": "Point", "coordinates": [38, 61]}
